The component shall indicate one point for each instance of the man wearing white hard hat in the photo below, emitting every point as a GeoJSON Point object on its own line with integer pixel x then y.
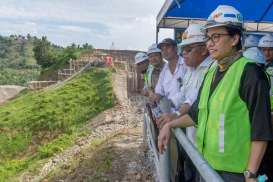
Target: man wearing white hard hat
{"type": "Point", "coordinates": [155, 56]}
{"type": "Point", "coordinates": [266, 45]}
{"type": "Point", "coordinates": [141, 65]}
{"type": "Point", "coordinates": [151, 78]}
{"type": "Point", "coordinates": [196, 57]}
{"type": "Point", "coordinates": [155, 66]}
{"type": "Point", "coordinates": [232, 110]}
{"type": "Point", "coordinates": [141, 57]}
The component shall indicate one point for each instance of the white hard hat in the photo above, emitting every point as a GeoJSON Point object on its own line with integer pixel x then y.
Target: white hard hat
{"type": "Point", "coordinates": [226, 16]}
{"type": "Point", "coordinates": [254, 54]}
{"type": "Point", "coordinates": [251, 41]}
{"type": "Point", "coordinates": [193, 34]}
{"type": "Point", "coordinates": [266, 41]}
{"type": "Point", "coordinates": [153, 49]}
{"type": "Point", "coordinates": [140, 57]}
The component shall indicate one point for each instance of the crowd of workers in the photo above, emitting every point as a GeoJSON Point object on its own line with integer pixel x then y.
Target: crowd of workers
{"type": "Point", "coordinates": [218, 87]}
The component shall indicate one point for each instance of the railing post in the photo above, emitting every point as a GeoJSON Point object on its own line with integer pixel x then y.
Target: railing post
{"type": "Point", "coordinates": [161, 161]}
{"type": "Point", "coordinates": [164, 159]}
{"type": "Point", "coordinates": [164, 166]}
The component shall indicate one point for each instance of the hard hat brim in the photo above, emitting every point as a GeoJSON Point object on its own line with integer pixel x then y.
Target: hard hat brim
{"type": "Point", "coordinates": [148, 53]}
{"type": "Point", "coordinates": [137, 62]}
{"type": "Point", "coordinates": [265, 46]}
{"type": "Point", "coordinates": [191, 41]}
{"type": "Point", "coordinates": [229, 25]}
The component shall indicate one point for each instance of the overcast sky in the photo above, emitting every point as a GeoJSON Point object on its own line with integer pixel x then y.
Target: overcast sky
{"type": "Point", "coordinates": [130, 24]}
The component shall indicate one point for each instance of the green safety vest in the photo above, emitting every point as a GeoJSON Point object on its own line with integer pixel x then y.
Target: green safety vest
{"type": "Point", "coordinates": [223, 131]}
{"type": "Point", "coordinates": [148, 77]}
{"type": "Point", "coordinates": [269, 71]}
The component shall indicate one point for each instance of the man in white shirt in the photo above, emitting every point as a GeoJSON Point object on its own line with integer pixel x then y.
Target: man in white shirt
{"type": "Point", "coordinates": [197, 58]}
{"type": "Point", "coordinates": [170, 78]}
{"type": "Point", "coordinates": [167, 91]}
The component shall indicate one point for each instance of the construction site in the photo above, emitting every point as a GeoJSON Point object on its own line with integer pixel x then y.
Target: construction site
{"type": "Point", "coordinates": [123, 155]}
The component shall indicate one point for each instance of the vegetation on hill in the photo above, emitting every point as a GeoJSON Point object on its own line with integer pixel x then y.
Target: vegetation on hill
{"type": "Point", "coordinates": [23, 58]}
{"type": "Point", "coordinates": [48, 54]}
{"type": "Point", "coordinates": [17, 62]}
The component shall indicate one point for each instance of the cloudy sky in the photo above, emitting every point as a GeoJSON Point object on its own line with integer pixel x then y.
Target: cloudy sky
{"type": "Point", "coordinates": [130, 24]}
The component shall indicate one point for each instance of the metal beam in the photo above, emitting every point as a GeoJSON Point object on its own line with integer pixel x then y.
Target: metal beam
{"type": "Point", "coordinates": [163, 11]}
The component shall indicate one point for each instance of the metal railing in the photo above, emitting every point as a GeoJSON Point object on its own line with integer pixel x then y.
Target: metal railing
{"type": "Point", "coordinates": [162, 161]}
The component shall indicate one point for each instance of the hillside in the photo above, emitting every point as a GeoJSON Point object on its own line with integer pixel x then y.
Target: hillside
{"type": "Point", "coordinates": [35, 125]}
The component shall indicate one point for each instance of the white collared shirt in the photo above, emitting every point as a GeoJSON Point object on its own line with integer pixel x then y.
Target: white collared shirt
{"type": "Point", "coordinates": [193, 79]}
{"type": "Point", "coordinates": [169, 84]}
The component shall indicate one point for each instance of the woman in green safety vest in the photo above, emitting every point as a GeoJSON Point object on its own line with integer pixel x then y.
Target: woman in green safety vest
{"type": "Point", "coordinates": [232, 111]}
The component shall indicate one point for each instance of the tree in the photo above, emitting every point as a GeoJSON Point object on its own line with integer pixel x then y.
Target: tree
{"type": "Point", "coordinates": [28, 36]}
{"type": "Point", "coordinates": [87, 46]}
{"type": "Point", "coordinates": [43, 53]}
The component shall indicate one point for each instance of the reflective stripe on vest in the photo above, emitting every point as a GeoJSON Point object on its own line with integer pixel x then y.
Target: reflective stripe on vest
{"type": "Point", "coordinates": [223, 131]}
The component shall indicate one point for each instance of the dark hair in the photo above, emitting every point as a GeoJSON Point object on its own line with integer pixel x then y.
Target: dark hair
{"type": "Point", "coordinates": [233, 31]}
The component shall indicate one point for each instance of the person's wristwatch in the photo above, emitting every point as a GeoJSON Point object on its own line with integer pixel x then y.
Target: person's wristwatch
{"type": "Point", "coordinates": [249, 174]}
{"type": "Point", "coordinates": [177, 113]}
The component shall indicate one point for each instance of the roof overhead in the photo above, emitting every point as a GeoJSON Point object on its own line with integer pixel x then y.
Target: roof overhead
{"type": "Point", "coordinates": [257, 14]}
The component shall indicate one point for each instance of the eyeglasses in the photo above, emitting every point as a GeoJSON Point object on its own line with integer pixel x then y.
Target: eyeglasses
{"type": "Point", "coordinates": [189, 49]}
{"type": "Point", "coordinates": [215, 37]}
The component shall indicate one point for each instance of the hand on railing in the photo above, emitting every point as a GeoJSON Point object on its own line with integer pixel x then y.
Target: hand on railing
{"type": "Point", "coordinates": [164, 138]}
{"type": "Point", "coordinates": [153, 97]}
{"type": "Point", "coordinates": [165, 118]}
